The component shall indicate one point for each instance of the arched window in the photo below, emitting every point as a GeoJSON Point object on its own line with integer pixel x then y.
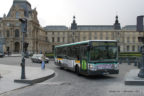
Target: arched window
{"type": "Point", "coordinates": [16, 33]}
{"type": "Point", "coordinates": [17, 47]}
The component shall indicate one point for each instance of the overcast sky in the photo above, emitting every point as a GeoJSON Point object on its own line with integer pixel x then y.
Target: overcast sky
{"type": "Point", "coordinates": [87, 12]}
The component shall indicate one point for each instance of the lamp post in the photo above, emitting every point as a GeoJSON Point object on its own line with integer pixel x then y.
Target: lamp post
{"type": "Point", "coordinates": [141, 39]}
{"type": "Point", "coordinates": [24, 30]}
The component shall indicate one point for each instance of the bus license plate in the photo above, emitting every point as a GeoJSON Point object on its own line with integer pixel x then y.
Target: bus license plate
{"type": "Point", "coordinates": [105, 66]}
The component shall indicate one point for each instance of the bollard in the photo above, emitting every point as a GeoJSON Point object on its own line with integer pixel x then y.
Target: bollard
{"type": "Point", "coordinates": [120, 62]}
{"type": "Point", "coordinates": [128, 61]}
{"type": "Point", "coordinates": [139, 65]}
{"type": "Point", "coordinates": [135, 63]}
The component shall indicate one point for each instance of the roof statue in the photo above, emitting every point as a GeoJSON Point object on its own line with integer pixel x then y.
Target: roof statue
{"type": "Point", "coordinates": [117, 24]}
{"type": "Point", "coordinates": [74, 24]}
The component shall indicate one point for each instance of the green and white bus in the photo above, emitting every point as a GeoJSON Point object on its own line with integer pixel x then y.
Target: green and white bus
{"type": "Point", "coordinates": [92, 57]}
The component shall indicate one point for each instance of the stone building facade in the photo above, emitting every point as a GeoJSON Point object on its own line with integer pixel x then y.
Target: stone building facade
{"type": "Point", "coordinates": [44, 39]}
{"type": "Point", "coordinates": [10, 29]}
{"type": "Point", "coordinates": [127, 36]}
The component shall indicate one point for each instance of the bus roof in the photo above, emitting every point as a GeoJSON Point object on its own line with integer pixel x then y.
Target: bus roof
{"type": "Point", "coordinates": [84, 42]}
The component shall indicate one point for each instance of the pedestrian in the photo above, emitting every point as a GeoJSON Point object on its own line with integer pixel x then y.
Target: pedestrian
{"type": "Point", "coordinates": [43, 61]}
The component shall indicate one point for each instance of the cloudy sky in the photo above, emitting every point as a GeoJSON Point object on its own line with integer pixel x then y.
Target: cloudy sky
{"type": "Point", "coordinates": [87, 12]}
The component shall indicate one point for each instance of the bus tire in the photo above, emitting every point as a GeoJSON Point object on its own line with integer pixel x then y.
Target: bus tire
{"type": "Point", "coordinates": [62, 68]}
{"type": "Point", "coordinates": [60, 64]}
{"type": "Point", "coordinates": [77, 70]}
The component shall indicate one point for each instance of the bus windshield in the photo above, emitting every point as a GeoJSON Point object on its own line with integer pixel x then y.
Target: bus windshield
{"type": "Point", "coordinates": [103, 53]}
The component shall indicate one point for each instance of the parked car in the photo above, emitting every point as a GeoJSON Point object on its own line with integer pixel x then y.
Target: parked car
{"type": "Point", "coordinates": [1, 54]}
{"type": "Point", "coordinates": [37, 58]}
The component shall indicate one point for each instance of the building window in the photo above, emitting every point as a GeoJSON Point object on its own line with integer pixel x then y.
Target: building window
{"type": "Point", "coordinates": [95, 33]}
{"type": "Point", "coordinates": [52, 33]}
{"type": "Point", "coordinates": [128, 49]}
{"type": "Point", "coordinates": [63, 33]}
{"type": "Point", "coordinates": [84, 38]}
{"type": "Point", "coordinates": [25, 13]}
{"type": "Point", "coordinates": [133, 48]}
{"type": "Point", "coordinates": [58, 33]}
{"type": "Point", "coordinates": [138, 48]}
{"type": "Point", "coordinates": [128, 39]}
{"type": "Point", "coordinates": [53, 39]}
{"type": "Point", "coordinates": [106, 33]}
{"type": "Point", "coordinates": [118, 33]}
{"type": "Point", "coordinates": [63, 39]}
{"type": "Point", "coordinates": [46, 38]}
{"type": "Point", "coordinates": [0, 34]}
{"type": "Point", "coordinates": [53, 46]}
{"type": "Point", "coordinates": [58, 39]}
{"type": "Point", "coordinates": [89, 35]}
{"type": "Point", "coordinates": [26, 35]}
{"type": "Point", "coordinates": [16, 33]}
{"type": "Point", "coordinates": [8, 24]}
{"type": "Point", "coordinates": [8, 34]}
{"type": "Point", "coordinates": [95, 38]}
{"type": "Point", "coordinates": [17, 15]}
{"type": "Point", "coordinates": [17, 24]}
{"type": "Point", "coordinates": [101, 36]}
{"type": "Point", "coordinates": [133, 39]}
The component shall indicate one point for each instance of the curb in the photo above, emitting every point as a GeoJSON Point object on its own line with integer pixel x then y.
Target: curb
{"type": "Point", "coordinates": [132, 78]}
{"type": "Point", "coordinates": [134, 83]}
{"type": "Point", "coordinates": [37, 80]}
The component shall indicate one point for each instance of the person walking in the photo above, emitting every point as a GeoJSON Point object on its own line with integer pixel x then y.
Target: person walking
{"type": "Point", "coordinates": [43, 61]}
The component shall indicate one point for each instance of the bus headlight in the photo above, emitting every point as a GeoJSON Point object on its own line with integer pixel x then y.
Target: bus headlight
{"type": "Point", "coordinates": [116, 66]}
{"type": "Point", "coordinates": [92, 67]}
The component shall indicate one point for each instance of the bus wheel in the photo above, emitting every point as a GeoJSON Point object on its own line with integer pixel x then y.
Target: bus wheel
{"type": "Point", "coordinates": [61, 68]}
{"type": "Point", "coordinates": [77, 70]}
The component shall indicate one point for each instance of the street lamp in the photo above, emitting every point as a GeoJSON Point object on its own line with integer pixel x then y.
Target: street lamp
{"type": "Point", "coordinates": [24, 30]}
{"type": "Point", "coordinates": [141, 39]}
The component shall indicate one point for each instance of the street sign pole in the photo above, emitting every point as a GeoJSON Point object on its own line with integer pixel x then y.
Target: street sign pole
{"type": "Point", "coordinates": [23, 60]}
{"type": "Point", "coordinates": [141, 39]}
{"type": "Point", "coordinates": [141, 72]}
{"type": "Point", "coordinates": [24, 30]}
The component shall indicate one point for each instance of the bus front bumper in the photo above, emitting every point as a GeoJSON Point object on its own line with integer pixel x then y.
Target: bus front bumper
{"type": "Point", "coordinates": [103, 72]}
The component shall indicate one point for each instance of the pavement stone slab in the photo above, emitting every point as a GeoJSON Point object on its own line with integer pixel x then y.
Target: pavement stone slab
{"type": "Point", "coordinates": [10, 73]}
{"type": "Point", "coordinates": [132, 78]}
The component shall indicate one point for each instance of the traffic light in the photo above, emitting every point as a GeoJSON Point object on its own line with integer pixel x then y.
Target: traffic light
{"type": "Point", "coordinates": [140, 24]}
{"type": "Point", "coordinates": [23, 24]}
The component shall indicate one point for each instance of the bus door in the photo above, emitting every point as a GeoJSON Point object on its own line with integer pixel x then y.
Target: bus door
{"type": "Point", "coordinates": [83, 59]}
{"type": "Point", "coordinates": [70, 63]}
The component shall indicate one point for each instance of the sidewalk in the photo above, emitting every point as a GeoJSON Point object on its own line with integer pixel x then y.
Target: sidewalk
{"type": "Point", "coordinates": [132, 78]}
{"type": "Point", "coordinates": [14, 55]}
{"type": "Point", "coordinates": [13, 73]}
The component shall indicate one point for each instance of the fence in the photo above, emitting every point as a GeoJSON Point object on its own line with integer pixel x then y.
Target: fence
{"type": "Point", "coordinates": [137, 61]}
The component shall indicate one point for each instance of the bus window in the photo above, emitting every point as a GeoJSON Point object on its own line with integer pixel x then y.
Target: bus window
{"type": "Point", "coordinates": [103, 53]}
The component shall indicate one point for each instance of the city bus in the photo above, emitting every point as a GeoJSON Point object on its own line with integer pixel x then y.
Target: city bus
{"type": "Point", "coordinates": [92, 57]}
